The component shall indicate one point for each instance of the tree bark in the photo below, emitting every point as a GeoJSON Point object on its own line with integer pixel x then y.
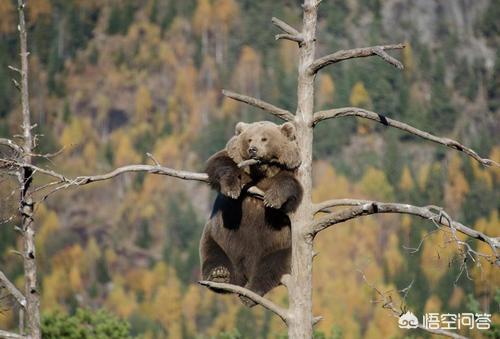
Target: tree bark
{"type": "Point", "coordinates": [300, 285]}
{"type": "Point", "coordinates": [26, 202]}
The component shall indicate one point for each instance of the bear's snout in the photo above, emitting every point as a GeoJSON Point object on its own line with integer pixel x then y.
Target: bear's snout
{"type": "Point", "coordinates": [252, 151]}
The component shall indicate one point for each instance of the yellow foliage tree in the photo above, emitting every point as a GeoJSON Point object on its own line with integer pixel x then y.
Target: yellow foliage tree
{"type": "Point", "coordinates": [360, 98]}
{"type": "Point", "coordinates": [7, 13]}
{"type": "Point", "coordinates": [374, 185]}
{"type": "Point", "coordinates": [433, 304]}
{"type": "Point", "coordinates": [326, 91]}
{"type": "Point", "coordinates": [437, 253]}
{"type": "Point", "coordinates": [456, 186]}
{"type": "Point", "coordinates": [120, 301]}
{"type": "Point", "coordinates": [406, 183]}
{"type": "Point", "coordinates": [38, 8]}
{"type": "Point", "coordinates": [246, 78]}
{"type": "Point", "coordinates": [423, 176]}
{"type": "Point", "coordinates": [226, 15]}
{"type": "Point", "coordinates": [143, 104]}
{"type": "Point", "coordinates": [49, 223]}
{"type": "Point", "coordinates": [74, 134]}
{"type": "Point", "coordinates": [125, 153]}
{"type": "Point", "coordinates": [408, 60]}
{"type": "Point", "coordinates": [392, 256]}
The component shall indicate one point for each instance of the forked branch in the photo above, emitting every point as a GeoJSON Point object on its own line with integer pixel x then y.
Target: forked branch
{"type": "Point", "coordinates": [365, 114]}
{"type": "Point", "coordinates": [279, 112]}
{"type": "Point", "coordinates": [290, 32]}
{"type": "Point", "coordinates": [357, 53]}
{"type": "Point", "coordinates": [367, 207]}
{"type": "Point", "coordinates": [278, 310]}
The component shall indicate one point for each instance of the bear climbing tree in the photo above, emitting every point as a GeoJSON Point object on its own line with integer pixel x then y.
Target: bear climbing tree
{"type": "Point", "coordinates": [304, 226]}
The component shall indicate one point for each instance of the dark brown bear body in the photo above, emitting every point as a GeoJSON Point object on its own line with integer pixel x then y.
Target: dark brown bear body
{"type": "Point", "coordinates": [247, 240]}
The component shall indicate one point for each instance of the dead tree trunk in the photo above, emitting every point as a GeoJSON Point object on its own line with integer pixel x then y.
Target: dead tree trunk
{"type": "Point", "coordinates": [300, 283]}
{"type": "Point", "coordinates": [26, 201]}
{"type": "Point", "coordinates": [30, 301]}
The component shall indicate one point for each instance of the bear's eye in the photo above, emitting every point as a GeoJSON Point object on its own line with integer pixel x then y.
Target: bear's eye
{"type": "Point", "coordinates": [264, 139]}
{"type": "Point", "coordinates": [249, 140]}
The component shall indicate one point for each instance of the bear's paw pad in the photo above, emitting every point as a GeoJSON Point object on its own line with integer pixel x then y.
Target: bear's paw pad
{"type": "Point", "coordinates": [220, 274]}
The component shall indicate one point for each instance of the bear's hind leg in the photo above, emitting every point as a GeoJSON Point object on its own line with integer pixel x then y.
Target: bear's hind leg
{"type": "Point", "coordinates": [267, 274]}
{"type": "Point", "coordinates": [215, 265]}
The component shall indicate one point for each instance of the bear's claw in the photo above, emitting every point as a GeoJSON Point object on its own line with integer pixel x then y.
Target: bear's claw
{"type": "Point", "coordinates": [273, 198]}
{"type": "Point", "coordinates": [219, 274]}
{"type": "Point", "coordinates": [231, 187]}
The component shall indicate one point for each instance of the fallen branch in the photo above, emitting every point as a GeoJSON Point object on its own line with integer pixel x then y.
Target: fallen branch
{"type": "Point", "coordinates": [12, 289]}
{"type": "Point", "coordinates": [356, 53]}
{"type": "Point", "coordinates": [279, 112]}
{"type": "Point", "coordinates": [362, 113]}
{"type": "Point", "coordinates": [278, 310]}
{"type": "Point", "coordinates": [366, 207]}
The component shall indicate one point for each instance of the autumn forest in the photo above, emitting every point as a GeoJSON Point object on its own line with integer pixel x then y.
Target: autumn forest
{"type": "Point", "coordinates": [113, 80]}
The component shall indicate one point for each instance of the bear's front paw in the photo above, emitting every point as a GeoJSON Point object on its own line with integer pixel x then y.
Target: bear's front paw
{"type": "Point", "coordinates": [247, 301]}
{"type": "Point", "coordinates": [231, 186]}
{"type": "Point", "coordinates": [274, 198]}
{"type": "Point", "coordinates": [220, 274]}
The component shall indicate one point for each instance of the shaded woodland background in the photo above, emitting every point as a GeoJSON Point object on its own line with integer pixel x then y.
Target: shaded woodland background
{"type": "Point", "coordinates": [112, 80]}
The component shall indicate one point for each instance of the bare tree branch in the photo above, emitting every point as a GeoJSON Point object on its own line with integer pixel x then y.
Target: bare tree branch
{"type": "Point", "coordinates": [10, 335]}
{"type": "Point", "coordinates": [388, 303]}
{"type": "Point", "coordinates": [12, 289]}
{"type": "Point", "coordinates": [356, 53]}
{"type": "Point", "coordinates": [279, 112]}
{"type": "Point", "coordinates": [64, 182]}
{"type": "Point", "coordinates": [297, 38]}
{"type": "Point", "coordinates": [278, 310]}
{"type": "Point", "coordinates": [387, 58]}
{"type": "Point", "coordinates": [366, 207]}
{"type": "Point", "coordinates": [284, 26]}
{"type": "Point", "coordinates": [290, 32]}
{"type": "Point", "coordinates": [363, 113]}
{"type": "Point", "coordinates": [12, 145]}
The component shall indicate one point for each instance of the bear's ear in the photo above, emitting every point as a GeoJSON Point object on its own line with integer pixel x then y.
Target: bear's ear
{"type": "Point", "coordinates": [233, 149]}
{"type": "Point", "coordinates": [240, 127]}
{"type": "Point", "coordinates": [289, 155]}
{"type": "Point", "coordinates": [288, 130]}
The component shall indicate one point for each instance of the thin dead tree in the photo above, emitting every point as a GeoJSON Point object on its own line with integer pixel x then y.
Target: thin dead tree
{"type": "Point", "coordinates": [298, 315]}
{"type": "Point", "coordinates": [29, 302]}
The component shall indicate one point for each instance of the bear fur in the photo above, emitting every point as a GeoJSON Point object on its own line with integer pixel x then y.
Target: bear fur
{"type": "Point", "coordinates": [247, 240]}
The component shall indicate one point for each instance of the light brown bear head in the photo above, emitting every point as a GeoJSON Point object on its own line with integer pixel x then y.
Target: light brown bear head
{"type": "Point", "coordinates": [266, 142]}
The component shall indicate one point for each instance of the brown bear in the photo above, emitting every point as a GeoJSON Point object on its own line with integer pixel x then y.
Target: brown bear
{"type": "Point", "coordinates": [247, 240]}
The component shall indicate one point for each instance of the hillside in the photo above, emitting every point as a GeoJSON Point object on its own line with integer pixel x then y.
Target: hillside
{"type": "Point", "coordinates": [112, 80]}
